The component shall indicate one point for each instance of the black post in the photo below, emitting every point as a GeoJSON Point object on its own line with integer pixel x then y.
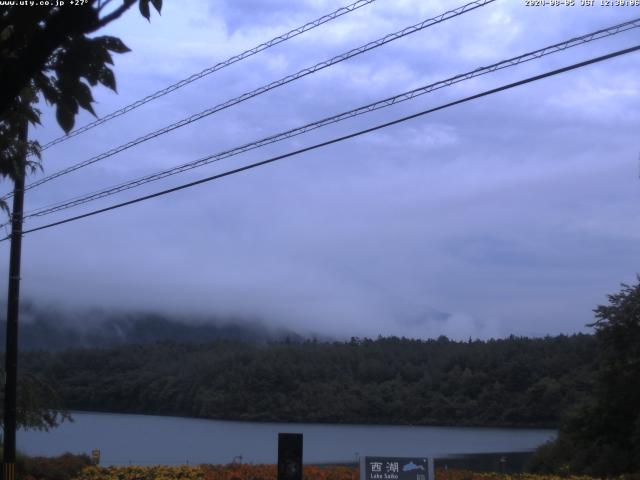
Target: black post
{"type": "Point", "coordinates": [289, 456]}
{"type": "Point", "coordinates": [13, 304]}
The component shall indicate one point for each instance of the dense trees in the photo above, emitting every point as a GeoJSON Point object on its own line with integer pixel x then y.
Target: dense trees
{"type": "Point", "coordinates": [515, 381]}
{"type": "Point", "coordinates": [603, 436]}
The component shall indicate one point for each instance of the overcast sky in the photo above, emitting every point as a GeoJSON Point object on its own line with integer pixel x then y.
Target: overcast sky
{"type": "Point", "coordinates": [513, 214]}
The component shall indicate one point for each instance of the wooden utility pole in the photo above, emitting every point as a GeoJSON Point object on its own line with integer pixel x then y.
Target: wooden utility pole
{"type": "Point", "coordinates": [13, 305]}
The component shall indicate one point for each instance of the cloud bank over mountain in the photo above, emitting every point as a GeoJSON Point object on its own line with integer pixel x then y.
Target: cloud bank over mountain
{"type": "Point", "coordinates": [512, 214]}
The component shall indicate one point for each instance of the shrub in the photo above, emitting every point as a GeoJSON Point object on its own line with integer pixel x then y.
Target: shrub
{"type": "Point", "coordinates": [64, 467]}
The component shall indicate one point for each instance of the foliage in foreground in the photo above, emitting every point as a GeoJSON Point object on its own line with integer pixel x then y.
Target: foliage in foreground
{"type": "Point", "coordinates": [602, 438]}
{"type": "Point", "coordinates": [450, 474]}
{"type": "Point", "coordinates": [63, 467]}
{"type": "Point", "coordinates": [39, 406]}
{"type": "Point", "coordinates": [269, 472]}
{"type": "Point", "coordinates": [78, 467]}
{"type": "Point", "coordinates": [51, 52]}
{"type": "Point", "coordinates": [211, 472]}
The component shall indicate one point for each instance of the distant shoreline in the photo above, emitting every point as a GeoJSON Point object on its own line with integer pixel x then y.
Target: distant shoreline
{"type": "Point", "coordinates": [346, 424]}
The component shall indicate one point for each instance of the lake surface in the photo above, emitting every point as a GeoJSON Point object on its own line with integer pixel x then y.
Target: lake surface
{"type": "Point", "coordinates": [146, 439]}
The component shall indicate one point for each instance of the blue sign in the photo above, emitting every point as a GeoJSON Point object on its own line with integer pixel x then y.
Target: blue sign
{"type": "Point", "coordinates": [396, 468]}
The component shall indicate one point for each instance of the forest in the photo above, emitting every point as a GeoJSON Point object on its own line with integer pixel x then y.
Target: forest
{"type": "Point", "coordinates": [516, 381]}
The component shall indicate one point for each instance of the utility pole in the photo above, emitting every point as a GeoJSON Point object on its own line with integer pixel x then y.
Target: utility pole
{"type": "Point", "coordinates": [13, 304]}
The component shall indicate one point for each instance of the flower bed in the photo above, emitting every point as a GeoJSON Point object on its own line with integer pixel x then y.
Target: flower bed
{"type": "Point", "coordinates": [211, 472]}
{"type": "Point", "coordinates": [269, 472]}
{"type": "Point", "coordinates": [453, 474]}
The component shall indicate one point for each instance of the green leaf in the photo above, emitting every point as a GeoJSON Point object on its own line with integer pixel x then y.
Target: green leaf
{"type": "Point", "coordinates": [144, 9]}
{"type": "Point", "coordinates": [6, 33]}
{"type": "Point", "coordinates": [157, 4]}
{"type": "Point", "coordinates": [45, 85]}
{"type": "Point", "coordinates": [82, 93]}
{"type": "Point", "coordinates": [114, 44]}
{"type": "Point", "coordinates": [106, 78]}
{"type": "Point", "coordinates": [65, 117]}
{"type": "Point", "coordinates": [32, 115]}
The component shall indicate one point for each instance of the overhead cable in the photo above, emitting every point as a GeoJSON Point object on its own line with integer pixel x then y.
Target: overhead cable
{"type": "Point", "coordinates": [259, 91]}
{"type": "Point", "coordinates": [387, 102]}
{"type": "Point", "coordinates": [207, 71]}
{"type": "Point", "coordinates": [339, 139]}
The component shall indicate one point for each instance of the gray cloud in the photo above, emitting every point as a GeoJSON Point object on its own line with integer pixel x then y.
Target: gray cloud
{"type": "Point", "coordinates": [512, 214]}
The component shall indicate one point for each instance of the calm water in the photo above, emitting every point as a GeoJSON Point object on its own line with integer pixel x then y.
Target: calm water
{"type": "Point", "coordinates": [145, 439]}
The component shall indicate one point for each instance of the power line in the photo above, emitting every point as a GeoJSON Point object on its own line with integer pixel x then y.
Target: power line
{"type": "Point", "coordinates": [340, 139]}
{"type": "Point", "coordinates": [278, 83]}
{"type": "Point", "coordinates": [207, 71]}
{"type": "Point", "coordinates": [79, 200]}
{"type": "Point", "coordinates": [339, 58]}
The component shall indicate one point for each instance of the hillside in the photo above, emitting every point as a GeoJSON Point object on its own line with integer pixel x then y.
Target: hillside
{"type": "Point", "coordinates": [42, 329]}
{"type": "Point", "coordinates": [509, 382]}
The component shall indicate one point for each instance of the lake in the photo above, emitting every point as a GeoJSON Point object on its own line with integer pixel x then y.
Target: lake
{"type": "Point", "coordinates": [147, 439]}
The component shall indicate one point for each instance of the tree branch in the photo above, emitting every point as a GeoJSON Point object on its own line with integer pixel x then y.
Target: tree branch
{"type": "Point", "coordinates": [103, 4]}
{"type": "Point", "coordinates": [116, 13]}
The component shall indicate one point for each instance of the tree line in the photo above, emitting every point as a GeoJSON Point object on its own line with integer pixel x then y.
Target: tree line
{"type": "Point", "coordinates": [516, 381]}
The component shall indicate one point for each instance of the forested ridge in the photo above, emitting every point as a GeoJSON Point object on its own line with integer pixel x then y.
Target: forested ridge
{"type": "Point", "coordinates": [507, 382]}
{"type": "Point", "coordinates": [47, 329]}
